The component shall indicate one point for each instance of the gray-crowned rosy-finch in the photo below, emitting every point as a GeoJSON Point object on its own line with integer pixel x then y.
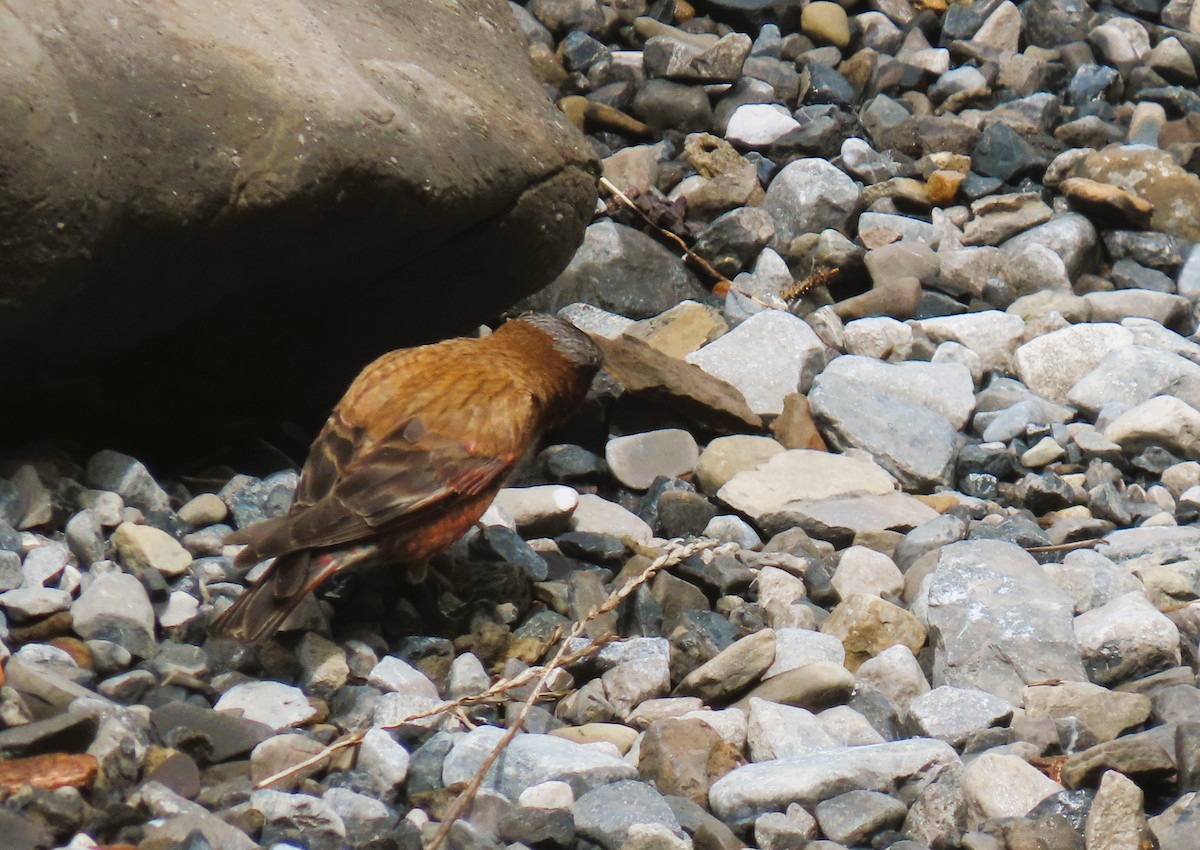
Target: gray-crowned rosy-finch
{"type": "Point", "coordinates": [410, 458]}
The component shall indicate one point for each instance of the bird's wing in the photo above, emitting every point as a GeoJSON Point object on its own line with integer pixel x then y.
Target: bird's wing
{"type": "Point", "coordinates": [444, 445]}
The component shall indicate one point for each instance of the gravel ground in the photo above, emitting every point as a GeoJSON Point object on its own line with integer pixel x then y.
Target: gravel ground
{"type": "Point", "coordinates": [929, 523]}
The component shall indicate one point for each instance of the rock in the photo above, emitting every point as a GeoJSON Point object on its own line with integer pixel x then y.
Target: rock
{"type": "Point", "coordinates": [998, 218]}
{"type": "Point", "coordinates": [1117, 817]}
{"type": "Point", "coordinates": [855, 816]}
{"type": "Point", "coordinates": [368, 821]}
{"type": "Point", "coordinates": [531, 760]}
{"type": "Point", "coordinates": [777, 831]}
{"type": "Point", "coordinates": [825, 23]}
{"type": "Point", "coordinates": [994, 336]}
{"type": "Point", "coordinates": [766, 357]}
{"type": "Point", "coordinates": [783, 731]}
{"type": "Point", "coordinates": [944, 388]}
{"type": "Point", "coordinates": [219, 736]}
{"type": "Point", "coordinates": [683, 756]}
{"type": "Point", "coordinates": [953, 714]}
{"type": "Point", "coordinates": [997, 785]}
{"type": "Point", "coordinates": [773, 785]}
{"type": "Point", "coordinates": [1142, 756]}
{"type": "Point", "coordinates": [863, 570]}
{"type": "Point", "coordinates": [759, 125]}
{"type": "Point", "coordinates": [1028, 638]}
{"type": "Point", "coordinates": [1133, 374]}
{"type": "Point", "coordinates": [116, 607]}
{"type": "Point", "coordinates": [682, 329]}
{"type": "Point", "coordinates": [392, 674]}
{"type": "Point", "coordinates": [637, 459]}
{"type": "Point", "coordinates": [1070, 235]}
{"type": "Point", "coordinates": [600, 516]}
{"type": "Point", "coordinates": [725, 457]}
{"type": "Point", "coordinates": [808, 196]}
{"type": "Point", "coordinates": [30, 603]}
{"type": "Point", "coordinates": [544, 509]}
{"type": "Point", "coordinates": [882, 338]}
{"type": "Point", "coordinates": [867, 625]}
{"type": "Point", "coordinates": [271, 703]}
{"type": "Point", "coordinates": [795, 648]}
{"type": "Point", "coordinates": [607, 814]}
{"type": "Point", "coordinates": [1151, 176]}
{"type": "Point", "coordinates": [204, 509]}
{"type": "Point", "coordinates": [732, 670]}
{"type": "Point", "coordinates": [912, 442]}
{"type": "Point", "coordinates": [129, 478]}
{"type": "Point", "coordinates": [689, 60]}
{"type": "Point", "coordinates": [1107, 201]}
{"type": "Point", "coordinates": [1001, 152]}
{"type": "Point", "coordinates": [145, 547]}
{"type": "Point", "coordinates": [1126, 638]}
{"type": "Point", "coordinates": [299, 816]}
{"type": "Point", "coordinates": [611, 270]}
{"type": "Point", "coordinates": [1051, 364]}
{"type": "Point", "coordinates": [1162, 421]}
{"type": "Point", "coordinates": [1105, 713]}
{"type": "Point", "coordinates": [331, 153]}
{"type": "Point", "coordinates": [799, 475]}
{"type": "Point", "coordinates": [282, 752]}
{"type": "Point", "coordinates": [323, 663]}
{"type": "Point", "coordinates": [896, 674]}
{"type": "Point", "coordinates": [687, 389]}
{"type": "Point", "coordinates": [180, 819]}
{"type": "Point", "coordinates": [1120, 306]}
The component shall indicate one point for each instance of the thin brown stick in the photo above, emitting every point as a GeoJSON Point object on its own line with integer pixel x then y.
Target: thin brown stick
{"type": "Point", "coordinates": [688, 254]}
{"type": "Point", "coordinates": [561, 659]}
{"type": "Point", "coordinates": [1066, 547]}
{"type": "Point", "coordinates": [493, 692]}
{"type": "Point", "coordinates": [673, 553]}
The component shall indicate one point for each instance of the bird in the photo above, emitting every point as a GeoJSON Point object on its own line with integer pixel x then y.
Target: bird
{"type": "Point", "coordinates": [409, 459]}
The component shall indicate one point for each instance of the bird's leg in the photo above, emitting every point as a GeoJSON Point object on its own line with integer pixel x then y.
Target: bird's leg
{"type": "Point", "coordinates": [418, 571]}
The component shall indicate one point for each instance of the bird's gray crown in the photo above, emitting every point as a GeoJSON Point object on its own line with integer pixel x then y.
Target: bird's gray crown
{"type": "Point", "coordinates": [574, 345]}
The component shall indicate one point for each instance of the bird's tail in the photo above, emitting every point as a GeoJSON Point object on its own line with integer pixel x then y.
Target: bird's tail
{"type": "Point", "coordinates": [261, 609]}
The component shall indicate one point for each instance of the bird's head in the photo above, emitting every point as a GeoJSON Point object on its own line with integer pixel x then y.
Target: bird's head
{"type": "Point", "coordinates": [569, 342]}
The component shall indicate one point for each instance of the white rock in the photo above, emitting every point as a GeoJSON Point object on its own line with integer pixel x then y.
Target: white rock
{"type": "Point", "coordinates": [604, 517]}
{"type": "Point", "coordinates": [757, 125]}
{"type": "Point", "coordinates": [777, 731]}
{"type": "Point", "coordinates": [1162, 421]}
{"type": "Point", "coordinates": [273, 703]}
{"type": "Point", "coordinates": [863, 570]}
{"type": "Point", "coordinates": [1125, 638]}
{"type": "Point", "coordinates": [765, 358]}
{"type": "Point", "coordinates": [1051, 364]}
{"type": "Point", "coordinates": [993, 335]}
{"type": "Point", "coordinates": [999, 786]}
{"type": "Point", "coordinates": [539, 507]}
{"type": "Point", "coordinates": [880, 337]}
{"type": "Point", "coordinates": [637, 459]}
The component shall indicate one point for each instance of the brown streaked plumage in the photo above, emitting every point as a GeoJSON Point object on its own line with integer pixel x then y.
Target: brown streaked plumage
{"type": "Point", "coordinates": [410, 458]}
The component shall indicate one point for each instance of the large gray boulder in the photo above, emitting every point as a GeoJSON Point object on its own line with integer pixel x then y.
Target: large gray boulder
{"type": "Point", "coordinates": [242, 205]}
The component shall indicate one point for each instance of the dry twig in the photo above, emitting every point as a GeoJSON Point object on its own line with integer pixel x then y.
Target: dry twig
{"type": "Point", "coordinates": [719, 280]}
{"type": "Point", "coordinates": [673, 553]}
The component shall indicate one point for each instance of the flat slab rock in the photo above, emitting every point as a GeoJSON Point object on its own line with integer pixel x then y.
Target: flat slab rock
{"type": "Point", "coordinates": [531, 760]}
{"type": "Point", "coordinates": [774, 785]}
{"type": "Point", "coordinates": [997, 621]}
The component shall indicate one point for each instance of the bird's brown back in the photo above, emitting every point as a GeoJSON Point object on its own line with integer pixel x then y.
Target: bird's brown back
{"type": "Point", "coordinates": [422, 436]}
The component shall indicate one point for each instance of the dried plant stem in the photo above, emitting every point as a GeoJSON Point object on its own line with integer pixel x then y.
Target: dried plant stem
{"type": "Point", "coordinates": [673, 553]}
{"type": "Point", "coordinates": [688, 254]}
{"type": "Point", "coordinates": [1066, 547]}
